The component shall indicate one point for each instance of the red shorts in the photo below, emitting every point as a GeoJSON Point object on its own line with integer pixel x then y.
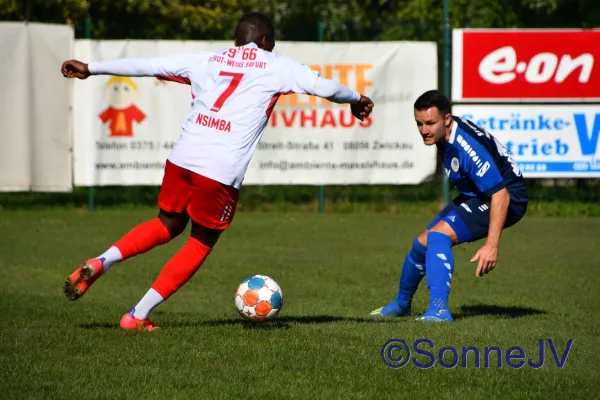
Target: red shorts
{"type": "Point", "coordinates": [207, 202]}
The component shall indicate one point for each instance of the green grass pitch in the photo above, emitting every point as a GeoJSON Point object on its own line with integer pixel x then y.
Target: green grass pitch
{"type": "Point", "coordinates": [333, 269]}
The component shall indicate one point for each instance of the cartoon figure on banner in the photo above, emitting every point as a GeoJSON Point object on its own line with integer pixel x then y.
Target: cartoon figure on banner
{"type": "Point", "coordinates": [121, 93]}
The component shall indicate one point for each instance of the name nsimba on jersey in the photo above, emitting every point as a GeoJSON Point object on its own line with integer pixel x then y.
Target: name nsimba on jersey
{"type": "Point", "coordinates": [233, 90]}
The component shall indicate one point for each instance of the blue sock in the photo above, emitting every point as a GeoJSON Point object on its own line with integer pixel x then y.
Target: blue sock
{"type": "Point", "coordinates": [440, 265]}
{"type": "Point", "coordinates": [413, 271]}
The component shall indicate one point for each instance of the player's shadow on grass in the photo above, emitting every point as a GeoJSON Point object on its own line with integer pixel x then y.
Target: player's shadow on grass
{"type": "Point", "coordinates": [285, 322]}
{"type": "Point", "coordinates": [480, 310]}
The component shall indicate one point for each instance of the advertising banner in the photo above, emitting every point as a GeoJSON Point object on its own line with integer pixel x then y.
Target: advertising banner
{"type": "Point", "coordinates": [529, 65]}
{"type": "Point", "coordinates": [125, 127]}
{"type": "Point", "coordinates": [546, 141]}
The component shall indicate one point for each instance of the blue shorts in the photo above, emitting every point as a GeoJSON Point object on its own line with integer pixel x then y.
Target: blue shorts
{"type": "Point", "coordinates": [469, 217]}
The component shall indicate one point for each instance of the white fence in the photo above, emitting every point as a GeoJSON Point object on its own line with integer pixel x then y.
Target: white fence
{"type": "Point", "coordinates": [35, 117]}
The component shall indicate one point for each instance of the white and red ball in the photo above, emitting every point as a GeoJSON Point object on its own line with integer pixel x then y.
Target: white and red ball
{"type": "Point", "coordinates": [258, 298]}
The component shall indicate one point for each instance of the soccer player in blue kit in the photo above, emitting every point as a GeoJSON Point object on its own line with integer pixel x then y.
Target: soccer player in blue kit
{"type": "Point", "coordinates": [493, 196]}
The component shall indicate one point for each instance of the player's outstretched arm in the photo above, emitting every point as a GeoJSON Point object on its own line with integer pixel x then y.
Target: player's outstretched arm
{"type": "Point", "coordinates": [120, 67]}
{"type": "Point", "coordinates": [75, 69]}
{"type": "Point", "coordinates": [488, 253]}
{"type": "Point", "coordinates": [361, 106]}
{"type": "Point", "coordinates": [485, 174]}
{"type": "Point", "coordinates": [299, 78]}
{"type": "Point", "coordinates": [175, 65]}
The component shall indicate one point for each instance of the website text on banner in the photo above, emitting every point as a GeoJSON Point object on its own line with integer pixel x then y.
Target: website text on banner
{"type": "Point", "coordinates": [125, 128]}
{"type": "Point", "coordinates": [546, 141]}
{"type": "Point", "coordinates": [499, 65]}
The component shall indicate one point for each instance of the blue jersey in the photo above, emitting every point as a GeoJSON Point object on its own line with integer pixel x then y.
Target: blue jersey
{"type": "Point", "coordinates": [478, 165]}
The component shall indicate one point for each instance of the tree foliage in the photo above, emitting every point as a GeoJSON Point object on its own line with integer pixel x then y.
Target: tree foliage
{"type": "Point", "coordinates": [343, 20]}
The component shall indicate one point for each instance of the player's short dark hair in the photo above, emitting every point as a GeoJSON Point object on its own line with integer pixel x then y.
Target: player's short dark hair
{"type": "Point", "coordinates": [433, 98]}
{"type": "Point", "coordinates": [251, 28]}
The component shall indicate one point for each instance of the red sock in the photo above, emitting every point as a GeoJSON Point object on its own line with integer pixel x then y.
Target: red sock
{"type": "Point", "coordinates": [181, 267]}
{"type": "Point", "coordinates": [142, 238]}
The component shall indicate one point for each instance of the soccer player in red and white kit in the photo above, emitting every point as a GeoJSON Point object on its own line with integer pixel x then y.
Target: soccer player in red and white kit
{"type": "Point", "coordinates": [234, 93]}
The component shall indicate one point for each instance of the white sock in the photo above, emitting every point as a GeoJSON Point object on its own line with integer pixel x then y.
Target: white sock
{"type": "Point", "coordinates": [147, 304]}
{"type": "Point", "coordinates": [110, 257]}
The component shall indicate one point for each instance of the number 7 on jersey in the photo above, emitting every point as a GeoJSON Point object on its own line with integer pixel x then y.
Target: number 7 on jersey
{"type": "Point", "coordinates": [236, 77]}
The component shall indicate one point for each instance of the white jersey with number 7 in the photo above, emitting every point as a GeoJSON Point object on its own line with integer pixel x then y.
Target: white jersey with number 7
{"type": "Point", "coordinates": [234, 92]}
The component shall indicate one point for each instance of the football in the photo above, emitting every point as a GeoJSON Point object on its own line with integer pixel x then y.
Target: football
{"type": "Point", "coordinates": [258, 298]}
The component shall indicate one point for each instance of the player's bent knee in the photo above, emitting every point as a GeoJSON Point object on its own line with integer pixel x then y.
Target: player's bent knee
{"type": "Point", "coordinates": [421, 239]}
{"type": "Point", "coordinates": [174, 222]}
{"type": "Point", "coordinates": [444, 228]}
{"type": "Point", "coordinates": [206, 236]}
{"type": "Point", "coordinates": [418, 246]}
{"type": "Point", "coordinates": [417, 253]}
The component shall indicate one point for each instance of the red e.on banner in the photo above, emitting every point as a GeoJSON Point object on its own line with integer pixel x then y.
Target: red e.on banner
{"type": "Point", "coordinates": [526, 64]}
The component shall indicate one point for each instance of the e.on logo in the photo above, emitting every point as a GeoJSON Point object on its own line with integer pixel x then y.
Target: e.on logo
{"type": "Point", "coordinates": [535, 65]}
{"type": "Point", "coordinates": [501, 66]}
